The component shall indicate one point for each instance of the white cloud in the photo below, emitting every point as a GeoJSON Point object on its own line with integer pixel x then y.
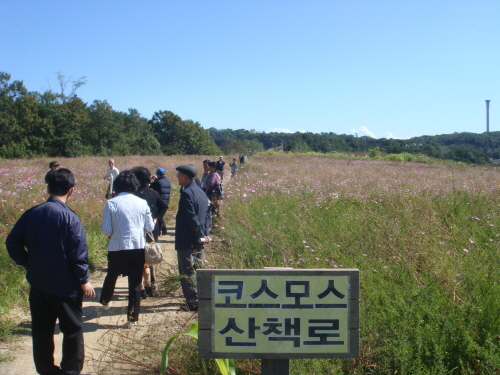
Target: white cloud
{"type": "Point", "coordinates": [284, 130]}
{"type": "Point", "coordinates": [365, 131]}
{"type": "Point", "coordinates": [280, 130]}
{"type": "Point", "coordinates": [388, 135]}
{"type": "Point", "coordinates": [362, 131]}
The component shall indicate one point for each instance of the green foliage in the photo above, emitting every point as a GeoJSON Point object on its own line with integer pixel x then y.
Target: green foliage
{"type": "Point", "coordinates": [226, 366]}
{"type": "Point", "coordinates": [179, 137]}
{"type": "Point", "coordinates": [428, 260]}
{"type": "Point", "coordinates": [13, 287]}
{"type": "Point", "coordinates": [60, 124]}
{"type": "Point", "coordinates": [245, 146]}
{"type": "Point", "coordinates": [374, 152]}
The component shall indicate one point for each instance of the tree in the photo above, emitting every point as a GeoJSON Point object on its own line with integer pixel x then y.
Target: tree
{"type": "Point", "coordinates": [102, 131]}
{"type": "Point", "coordinates": [181, 137]}
{"type": "Point", "coordinates": [63, 83]}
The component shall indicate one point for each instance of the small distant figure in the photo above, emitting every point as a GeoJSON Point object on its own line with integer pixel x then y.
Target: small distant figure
{"type": "Point", "coordinates": [234, 167]}
{"type": "Point", "coordinates": [49, 241]}
{"type": "Point", "coordinates": [243, 158]}
{"type": "Point", "coordinates": [111, 175]}
{"type": "Point", "coordinates": [53, 165]}
{"type": "Point", "coordinates": [219, 167]}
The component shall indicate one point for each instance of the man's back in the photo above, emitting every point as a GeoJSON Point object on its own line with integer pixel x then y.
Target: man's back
{"type": "Point", "coordinates": [189, 228]}
{"type": "Point", "coordinates": [56, 248]}
{"type": "Point", "coordinates": [163, 186]}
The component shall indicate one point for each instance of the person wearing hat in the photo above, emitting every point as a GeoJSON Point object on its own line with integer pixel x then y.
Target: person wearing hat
{"type": "Point", "coordinates": [163, 186]}
{"type": "Point", "coordinates": [191, 232]}
{"type": "Point", "coordinates": [53, 165]}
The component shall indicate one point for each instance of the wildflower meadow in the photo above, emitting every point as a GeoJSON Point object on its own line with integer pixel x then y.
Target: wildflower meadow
{"type": "Point", "coordinates": [425, 237]}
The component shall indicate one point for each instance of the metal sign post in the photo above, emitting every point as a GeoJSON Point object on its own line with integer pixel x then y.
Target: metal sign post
{"type": "Point", "coordinates": [277, 314]}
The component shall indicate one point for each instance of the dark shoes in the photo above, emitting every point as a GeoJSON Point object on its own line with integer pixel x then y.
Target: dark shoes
{"type": "Point", "coordinates": [144, 294]}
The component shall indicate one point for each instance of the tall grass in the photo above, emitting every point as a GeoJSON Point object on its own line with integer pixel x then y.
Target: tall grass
{"type": "Point", "coordinates": [425, 238]}
{"type": "Point", "coordinates": [22, 187]}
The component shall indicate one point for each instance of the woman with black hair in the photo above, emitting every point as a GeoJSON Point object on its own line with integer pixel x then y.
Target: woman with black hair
{"type": "Point", "coordinates": [158, 209]}
{"type": "Point", "coordinates": [213, 188]}
{"type": "Point", "coordinates": [126, 218]}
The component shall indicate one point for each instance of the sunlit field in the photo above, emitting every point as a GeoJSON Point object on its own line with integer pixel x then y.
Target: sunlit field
{"type": "Point", "coordinates": [424, 237]}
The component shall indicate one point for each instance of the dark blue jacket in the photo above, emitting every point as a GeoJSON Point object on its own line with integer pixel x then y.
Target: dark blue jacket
{"type": "Point", "coordinates": [50, 242]}
{"type": "Point", "coordinates": [193, 217]}
{"type": "Point", "coordinates": [162, 186]}
{"type": "Point", "coordinates": [157, 206]}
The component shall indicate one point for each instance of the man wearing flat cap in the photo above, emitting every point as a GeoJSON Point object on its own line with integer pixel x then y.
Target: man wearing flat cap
{"type": "Point", "coordinates": [191, 232]}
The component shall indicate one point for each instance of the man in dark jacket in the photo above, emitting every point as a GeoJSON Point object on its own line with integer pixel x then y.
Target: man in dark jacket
{"type": "Point", "coordinates": [158, 209]}
{"type": "Point", "coordinates": [219, 167]}
{"type": "Point", "coordinates": [50, 242]}
{"type": "Point", "coordinates": [191, 232]}
{"type": "Point", "coordinates": [162, 185]}
{"type": "Point", "coordinates": [157, 205]}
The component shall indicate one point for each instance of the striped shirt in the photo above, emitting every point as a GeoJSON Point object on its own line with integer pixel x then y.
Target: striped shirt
{"type": "Point", "coordinates": [125, 219]}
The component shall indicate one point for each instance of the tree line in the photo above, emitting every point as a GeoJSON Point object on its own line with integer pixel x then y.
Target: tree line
{"type": "Point", "coordinates": [61, 124]}
{"type": "Point", "coordinates": [470, 148]}
{"type": "Point", "coordinates": [56, 124]}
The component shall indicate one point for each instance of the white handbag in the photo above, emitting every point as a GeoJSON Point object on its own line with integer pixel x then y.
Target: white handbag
{"type": "Point", "coordinates": [152, 251]}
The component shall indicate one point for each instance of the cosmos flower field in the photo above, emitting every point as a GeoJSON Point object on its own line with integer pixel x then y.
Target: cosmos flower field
{"type": "Point", "coordinates": [425, 238]}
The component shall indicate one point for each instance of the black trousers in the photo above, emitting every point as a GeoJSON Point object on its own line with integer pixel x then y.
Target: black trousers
{"type": "Point", "coordinates": [45, 310]}
{"type": "Point", "coordinates": [133, 262]}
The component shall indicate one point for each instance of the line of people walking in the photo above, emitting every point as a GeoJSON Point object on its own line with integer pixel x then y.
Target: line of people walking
{"type": "Point", "coordinates": [57, 260]}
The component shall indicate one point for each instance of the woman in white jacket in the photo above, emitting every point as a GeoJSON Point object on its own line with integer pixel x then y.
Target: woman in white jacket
{"type": "Point", "coordinates": [126, 218]}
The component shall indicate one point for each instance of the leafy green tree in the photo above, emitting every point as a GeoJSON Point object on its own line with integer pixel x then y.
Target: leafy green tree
{"type": "Point", "coordinates": [246, 146]}
{"type": "Point", "coordinates": [102, 131]}
{"type": "Point", "coordinates": [181, 137]}
{"type": "Point", "coordinates": [140, 134]}
{"type": "Point", "coordinates": [11, 131]}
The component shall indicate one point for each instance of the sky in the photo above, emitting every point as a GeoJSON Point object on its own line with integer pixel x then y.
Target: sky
{"type": "Point", "coordinates": [380, 68]}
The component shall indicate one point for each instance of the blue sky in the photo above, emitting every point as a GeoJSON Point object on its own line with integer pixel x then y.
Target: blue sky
{"type": "Point", "coordinates": [380, 68]}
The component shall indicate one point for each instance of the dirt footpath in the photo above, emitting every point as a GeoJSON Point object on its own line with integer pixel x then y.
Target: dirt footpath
{"type": "Point", "coordinates": [104, 336]}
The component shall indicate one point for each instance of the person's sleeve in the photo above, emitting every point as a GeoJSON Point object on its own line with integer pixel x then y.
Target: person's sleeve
{"type": "Point", "coordinates": [15, 243]}
{"type": "Point", "coordinates": [187, 208]}
{"type": "Point", "coordinates": [78, 252]}
{"type": "Point", "coordinates": [107, 224]}
{"type": "Point", "coordinates": [208, 219]}
{"type": "Point", "coordinates": [149, 225]}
